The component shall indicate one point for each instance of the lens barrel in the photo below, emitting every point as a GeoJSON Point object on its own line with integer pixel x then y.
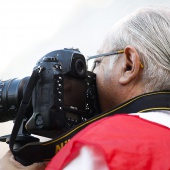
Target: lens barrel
{"type": "Point", "coordinates": [11, 94]}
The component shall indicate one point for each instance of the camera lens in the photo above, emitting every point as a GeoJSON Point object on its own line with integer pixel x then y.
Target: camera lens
{"type": "Point", "coordinates": [11, 94]}
{"type": "Point", "coordinates": [80, 67]}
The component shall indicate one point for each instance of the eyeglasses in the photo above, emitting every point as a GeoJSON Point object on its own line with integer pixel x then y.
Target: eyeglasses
{"type": "Point", "coordinates": [95, 62]}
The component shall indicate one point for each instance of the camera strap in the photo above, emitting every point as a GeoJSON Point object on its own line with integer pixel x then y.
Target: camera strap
{"type": "Point", "coordinates": [44, 151]}
{"type": "Point", "coordinates": [22, 110]}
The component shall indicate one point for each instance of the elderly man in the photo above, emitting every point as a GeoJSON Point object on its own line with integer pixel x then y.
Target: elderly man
{"type": "Point", "coordinates": [133, 74]}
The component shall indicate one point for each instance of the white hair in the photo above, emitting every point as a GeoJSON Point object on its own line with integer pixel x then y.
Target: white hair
{"type": "Point", "coordinates": [148, 30]}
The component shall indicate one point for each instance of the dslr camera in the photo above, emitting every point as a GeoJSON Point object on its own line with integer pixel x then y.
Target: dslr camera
{"type": "Point", "coordinates": [64, 95]}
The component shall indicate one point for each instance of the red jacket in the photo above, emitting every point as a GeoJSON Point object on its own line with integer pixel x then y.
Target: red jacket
{"type": "Point", "coordinates": [125, 141]}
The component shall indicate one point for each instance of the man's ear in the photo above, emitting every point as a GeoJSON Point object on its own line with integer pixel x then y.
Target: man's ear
{"type": "Point", "coordinates": [131, 65]}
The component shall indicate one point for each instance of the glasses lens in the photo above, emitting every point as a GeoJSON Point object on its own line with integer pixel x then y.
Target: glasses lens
{"type": "Point", "coordinates": [91, 64]}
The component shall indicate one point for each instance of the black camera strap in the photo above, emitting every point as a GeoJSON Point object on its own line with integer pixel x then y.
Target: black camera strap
{"type": "Point", "coordinates": [22, 110]}
{"type": "Point", "coordinates": [44, 151]}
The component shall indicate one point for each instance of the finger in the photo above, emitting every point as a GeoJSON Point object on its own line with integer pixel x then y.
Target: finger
{"type": "Point", "coordinates": [36, 166]}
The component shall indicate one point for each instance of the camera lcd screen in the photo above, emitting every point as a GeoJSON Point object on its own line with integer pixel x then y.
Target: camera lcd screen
{"type": "Point", "coordinates": [75, 93]}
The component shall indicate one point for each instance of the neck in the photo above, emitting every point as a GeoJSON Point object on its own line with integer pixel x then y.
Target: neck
{"type": "Point", "coordinates": [144, 103]}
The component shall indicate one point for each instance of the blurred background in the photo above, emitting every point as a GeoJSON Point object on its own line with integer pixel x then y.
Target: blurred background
{"type": "Point", "coordinates": [31, 28]}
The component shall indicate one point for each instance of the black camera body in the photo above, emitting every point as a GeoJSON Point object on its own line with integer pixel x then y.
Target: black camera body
{"type": "Point", "coordinates": [65, 95]}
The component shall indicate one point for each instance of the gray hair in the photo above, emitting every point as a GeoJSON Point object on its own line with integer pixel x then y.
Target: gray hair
{"type": "Point", "coordinates": [148, 30]}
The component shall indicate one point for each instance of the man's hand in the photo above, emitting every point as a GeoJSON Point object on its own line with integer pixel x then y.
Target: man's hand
{"type": "Point", "coordinates": [8, 163]}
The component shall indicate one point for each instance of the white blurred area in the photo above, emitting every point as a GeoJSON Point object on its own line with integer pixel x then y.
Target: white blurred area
{"type": "Point", "coordinates": [31, 28]}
